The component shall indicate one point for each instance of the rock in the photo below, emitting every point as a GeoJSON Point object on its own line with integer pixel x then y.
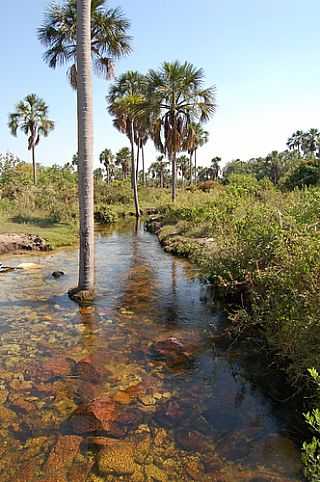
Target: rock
{"type": "Point", "coordinates": [56, 367]}
{"type": "Point", "coordinates": [99, 415]}
{"type": "Point", "coordinates": [170, 413]}
{"type": "Point", "coordinates": [86, 371]}
{"type": "Point", "coordinates": [122, 397]}
{"type": "Point", "coordinates": [16, 242]}
{"type": "Point", "coordinates": [61, 457]}
{"type": "Point", "coordinates": [57, 274]}
{"type": "Point", "coordinates": [277, 452]}
{"type": "Point", "coordinates": [155, 474]}
{"type": "Point", "coordinates": [192, 441]}
{"type": "Point", "coordinates": [3, 394]}
{"type": "Point", "coordinates": [118, 459]}
{"type": "Point", "coordinates": [172, 351]}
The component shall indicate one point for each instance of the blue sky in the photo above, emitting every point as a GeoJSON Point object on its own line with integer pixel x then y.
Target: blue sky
{"type": "Point", "coordinates": [262, 55]}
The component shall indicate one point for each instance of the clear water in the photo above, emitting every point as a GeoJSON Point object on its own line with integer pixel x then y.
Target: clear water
{"type": "Point", "coordinates": [86, 396]}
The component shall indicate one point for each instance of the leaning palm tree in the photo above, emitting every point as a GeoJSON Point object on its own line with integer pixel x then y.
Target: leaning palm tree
{"type": "Point", "coordinates": [109, 37]}
{"type": "Point", "coordinates": [107, 159]}
{"type": "Point", "coordinates": [177, 98]}
{"type": "Point", "coordinates": [86, 285]}
{"type": "Point", "coordinates": [31, 116]}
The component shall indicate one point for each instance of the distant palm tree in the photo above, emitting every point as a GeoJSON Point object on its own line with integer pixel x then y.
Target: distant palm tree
{"type": "Point", "coordinates": [183, 167]}
{"type": "Point", "coordinates": [215, 167]}
{"type": "Point", "coordinates": [109, 37]}
{"type": "Point", "coordinates": [312, 141]}
{"type": "Point", "coordinates": [158, 169]}
{"type": "Point", "coordinates": [177, 98]}
{"type": "Point", "coordinates": [196, 137]}
{"type": "Point", "coordinates": [123, 159]}
{"type": "Point", "coordinates": [296, 140]}
{"type": "Point", "coordinates": [107, 159]}
{"type": "Point", "coordinates": [31, 116]}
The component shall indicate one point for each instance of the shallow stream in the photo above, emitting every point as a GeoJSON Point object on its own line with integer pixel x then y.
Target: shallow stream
{"type": "Point", "coordinates": [134, 388]}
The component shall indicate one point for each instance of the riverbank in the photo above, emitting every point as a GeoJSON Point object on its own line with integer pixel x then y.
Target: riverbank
{"type": "Point", "coordinates": [259, 250]}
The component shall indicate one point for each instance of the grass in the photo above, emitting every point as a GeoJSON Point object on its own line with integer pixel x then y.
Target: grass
{"type": "Point", "coordinates": [56, 234]}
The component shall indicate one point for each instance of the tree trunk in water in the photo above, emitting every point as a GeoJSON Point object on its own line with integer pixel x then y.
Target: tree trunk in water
{"type": "Point", "coordinates": [86, 288]}
{"type": "Point", "coordinates": [34, 167]}
{"type": "Point", "coordinates": [195, 166]}
{"type": "Point", "coordinates": [134, 178]}
{"type": "Point", "coordinates": [143, 167]}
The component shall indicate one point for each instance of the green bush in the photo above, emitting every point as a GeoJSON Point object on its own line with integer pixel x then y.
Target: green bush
{"type": "Point", "coordinates": [105, 215]}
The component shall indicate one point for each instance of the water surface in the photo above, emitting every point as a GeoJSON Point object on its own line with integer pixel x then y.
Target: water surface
{"type": "Point", "coordinates": [132, 388]}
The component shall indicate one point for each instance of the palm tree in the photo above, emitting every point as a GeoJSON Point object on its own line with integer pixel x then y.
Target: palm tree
{"type": "Point", "coordinates": [124, 100]}
{"type": "Point", "coordinates": [86, 286]}
{"type": "Point", "coordinates": [107, 159]}
{"type": "Point", "coordinates": [123, 159]}
{"type": "Point", "coordinates": [295, 141]}
{"type": "Point", "coordinates": [109, 37]}
{"type": "Point", "coordinates": [177, 98]}
{"type": "Point", "coordinates": [196, 137]}
{"type": "Point", "coordinates": [31, 116]}
{"type": "Point", "coordinates": [183, 167]}
{"type": "Point", "coordinates": [158, 169]}
{"type": "Point", "coordinates": [313, 141]}
{"type": "Point", "coordinates": [215, 167]}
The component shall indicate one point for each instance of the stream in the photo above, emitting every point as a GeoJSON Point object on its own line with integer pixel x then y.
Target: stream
{"type": "Point", "coordinates": [132, 388]}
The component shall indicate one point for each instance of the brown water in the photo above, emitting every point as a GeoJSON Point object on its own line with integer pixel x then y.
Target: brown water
{"type": "Point", "coordinates": [94, 394]}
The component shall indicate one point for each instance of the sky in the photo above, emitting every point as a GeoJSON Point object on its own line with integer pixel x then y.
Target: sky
{"type": "Point", "coordinates": [262, 56]}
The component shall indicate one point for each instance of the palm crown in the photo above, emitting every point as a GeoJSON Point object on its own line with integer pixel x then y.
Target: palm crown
{"type": "Point", "coordinates": [109, 41]}
{"type": "Point", "coordinates": [31, 117]}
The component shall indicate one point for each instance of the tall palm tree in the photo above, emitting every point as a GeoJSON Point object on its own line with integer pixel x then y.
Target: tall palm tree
{"type": "Point", "coordinates": [31, 116]}
{"type": "Point", "coordinates": [124, 100]}
{"type": "Point", "coordinates": [86, 285]}
{"type": "Point", "coordinates": [107, 159]}
{"type": "Point", "coordinates": [177, 98]}
{"type": "Point", "coordinates": [109, 37]}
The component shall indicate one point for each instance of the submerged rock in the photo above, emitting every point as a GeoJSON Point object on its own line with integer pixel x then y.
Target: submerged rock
{"type": "Point", "coordinates": [99, 415]}
{"type": "Point", "coordinates": [57, 274]}
{"type": "Point", "coordinates": [118, 458]}
{"type": "Point", "coordinates": [61, 457]}
{"type": "Point", "coordinates": [172, 351]}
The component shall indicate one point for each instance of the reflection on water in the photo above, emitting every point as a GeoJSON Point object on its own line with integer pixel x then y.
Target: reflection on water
{"type": "Point", "coordinates": [130, 389]}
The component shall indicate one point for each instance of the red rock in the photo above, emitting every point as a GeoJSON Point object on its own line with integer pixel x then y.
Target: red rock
{"type": "Point", "coordinates": [172, 351]}
{"type": "Point", "coordinates": [86, 370]}
{"type": "Point", "coordinates": [97, 415]}
{"type": "Point", "coordinates": [61, 457]}
{"type": "Point", "coordinates": [54, 367]}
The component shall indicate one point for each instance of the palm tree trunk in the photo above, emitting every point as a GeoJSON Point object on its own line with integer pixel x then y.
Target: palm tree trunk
{"type": "Point", "coordinates": [86, 287]}
{"type": "Point", "coordinates": [195, 166]}
{"type": "Point", "coordinates": [138, 159]}
{"type": "Point", "coordinates": [134, 178]}
{"type": "Point", "coordinates": [34, 167]}
{"type": "Point", "coordinates": [174, 175]}
{"type": "Point", "coordinates": [190, 167]}
{"type": "Point", "coordinates": [143, 167]}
